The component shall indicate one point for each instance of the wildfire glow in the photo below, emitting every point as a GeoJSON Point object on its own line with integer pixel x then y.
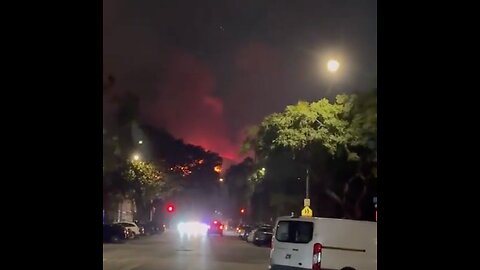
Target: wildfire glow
{"type": "Point", "coordinates": [185, 169]}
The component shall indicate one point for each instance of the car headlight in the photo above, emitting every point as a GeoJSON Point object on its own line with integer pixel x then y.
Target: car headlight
{"type": "Point", "coordinates": [192, 228]}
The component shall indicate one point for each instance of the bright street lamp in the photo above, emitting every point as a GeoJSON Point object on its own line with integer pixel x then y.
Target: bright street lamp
{"type": "Point", "coordinates": [136, 157]}
{"type": "Point", "coordinates": [333, 65]}
{"type": "Point", "coordinates": [221, 179]}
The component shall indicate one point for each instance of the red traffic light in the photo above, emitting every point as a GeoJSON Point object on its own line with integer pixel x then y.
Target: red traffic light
{"type": "Point", "coordinates": [170, 208]}
{"type": "Point", "coordinates": [242, 210]}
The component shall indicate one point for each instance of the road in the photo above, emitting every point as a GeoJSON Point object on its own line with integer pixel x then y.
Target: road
{"type": "Point", "coordinates": [171, 252]}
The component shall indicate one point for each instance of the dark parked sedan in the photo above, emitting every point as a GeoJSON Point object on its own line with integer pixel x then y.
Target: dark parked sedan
{"type": "Point", "coordinates": [242, 231]}
{"type": "Point", "coordinates": [152, 228]}
{"type": "Point", "coordinates": [114, 233]}
{"type": "Point", "coordinates": [263, 236]}
{"type": "Point", "coordinates": [246, 231]}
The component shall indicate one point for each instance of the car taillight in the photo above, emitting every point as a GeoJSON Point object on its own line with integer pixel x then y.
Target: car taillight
{"type": "Point", "coordinates": [221, 227]}
{"type": "Point", "coordinates": [317, 256]}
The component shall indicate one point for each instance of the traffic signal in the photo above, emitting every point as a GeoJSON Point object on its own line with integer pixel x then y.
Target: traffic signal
{"type": "Point", "coordinates": [170, 208]}
{"type": "Point", "coordinates": [242, 210]}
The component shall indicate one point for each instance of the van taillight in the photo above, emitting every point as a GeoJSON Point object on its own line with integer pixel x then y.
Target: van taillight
{"type": "Point", "coordinates": [317, 256]}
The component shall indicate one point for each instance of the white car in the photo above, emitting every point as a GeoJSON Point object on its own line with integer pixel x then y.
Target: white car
{"type": "Point", "coordinates": [323, 243]}
{"type": "Point", "coordinates": [251, 236]}
{"type": "Point", "coordinates": [132, 227]}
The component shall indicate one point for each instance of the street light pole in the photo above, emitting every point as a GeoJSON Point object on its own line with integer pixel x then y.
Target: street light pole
{"type": "Point", "coordinates": [307, 183]}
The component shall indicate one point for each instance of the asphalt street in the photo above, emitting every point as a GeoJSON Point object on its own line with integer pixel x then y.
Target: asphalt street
{"type": "Point", "coordinates": [170, 251]}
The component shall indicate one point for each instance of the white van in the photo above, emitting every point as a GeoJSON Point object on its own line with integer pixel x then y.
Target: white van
{"type": "Point", "coordinates": [323, 243]}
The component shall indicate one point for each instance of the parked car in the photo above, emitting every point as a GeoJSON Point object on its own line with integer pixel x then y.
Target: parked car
{"type": "Point", "coordinates": [240, 230]}
{"type": "Point", "coordinates": [114, 233]}
{"type": "Point", "coordinates": [215, 227]}
{"type": "Point", "coordinates": [324, 243]}
{"type": "Point", "coordinates": [249, 237]}
{"type": "Point", "coordinates": [153, 228]}
{"type": "Point", "coordinates": [245, 232]}
{"type": "Point", "coordinates": [262, 236]}
{"type": "Point", "coordinates": [142, 229]}
{"type": "Point", "coordinates": [134, 230]}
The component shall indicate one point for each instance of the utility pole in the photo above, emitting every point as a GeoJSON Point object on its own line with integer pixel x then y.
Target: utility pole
{"type": "Point", "coordinates": [307, 184]}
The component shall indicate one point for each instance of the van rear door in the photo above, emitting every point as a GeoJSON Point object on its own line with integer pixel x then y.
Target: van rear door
{"type": "Point", "coordinates": [293, 244]}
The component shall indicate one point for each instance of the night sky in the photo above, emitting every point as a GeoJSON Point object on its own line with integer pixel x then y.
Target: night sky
{"type": "Point", "coordinates": [206, 70]}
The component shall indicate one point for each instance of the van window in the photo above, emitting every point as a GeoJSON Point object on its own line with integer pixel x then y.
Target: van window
{"type": "Point", "coordinates": [294, 231]}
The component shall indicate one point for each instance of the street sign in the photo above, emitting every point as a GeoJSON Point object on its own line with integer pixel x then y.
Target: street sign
{"type": "Point", "coordinates": [307, 212]}
{"type": "Point", "coordinates": [306, 202]}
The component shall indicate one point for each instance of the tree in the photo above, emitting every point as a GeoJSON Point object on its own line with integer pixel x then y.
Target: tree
{"type": "Point", "coordinates": [117, 135]}
{"type": "Point", "coordinates": [122, 178]}
{"type": "Point", "coordinates": [146, 183]}
{"type": "Point", "coordinates": [117, 145]}
{"type": "Point", "coordinates": [361, 188]}
{"type": "Point", "coordinates": [250, 141]}
{"type": "Point", "coordinates": [304, 124]}
{"type": "Point", "coordinates": [364, 122]}
{"type": "Point", "coordinates": [240, 189]}
{"type": "Point", "coordinates": [326, 137]}
{"type": "Point", "coordinates": [188, 166]}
